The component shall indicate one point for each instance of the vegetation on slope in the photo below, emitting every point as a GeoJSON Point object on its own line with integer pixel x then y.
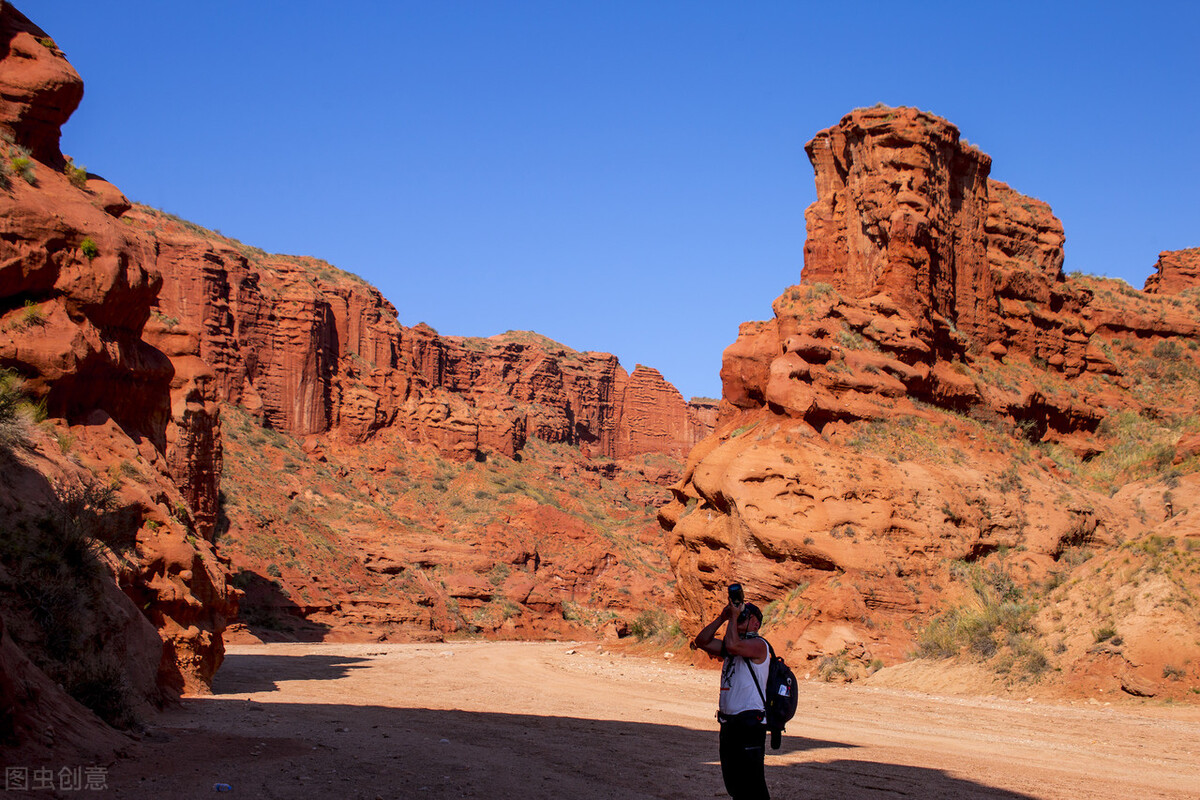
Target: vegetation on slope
{"type": "Point", "coordinates": [399, 541]}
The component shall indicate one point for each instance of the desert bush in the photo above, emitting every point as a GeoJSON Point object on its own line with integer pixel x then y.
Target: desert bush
{"type": "Point", "coordinates": [1167, 350]}
{"type": "Point", "coordinates": [833, 667]}
{"type": "Point", "coordinates": [1173, 673]}
{"type": "Point", "coordinates": [32, 316]}
{"type": "Point", "coordinates": [979, 624]}
{"type": "Point", "coordinates": [104, 688]}
{"type": "Point", "coordinates": [89, 248]}
{"type": "Point", "coordinates": [1010, 479]}
{"type": "Point", "coordinates": [499, 573]}
{"type": "Point", "coordinates": [17, 409]}
{"type": "Point", "coordinates": [1104, 633]}
{"type": "Point", "coordinates": [1030, 661]}
{"type": "Point", "coordinates": [654, 624]}
{"type": "Point", "coordinates": [23, 166]}
{"type": "Point", "coordinates": [11, 396]}
{"type": "Point", "coordinates": [76, 175]}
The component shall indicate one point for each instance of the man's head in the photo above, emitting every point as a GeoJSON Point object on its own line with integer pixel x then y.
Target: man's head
{"type": "Point", "coordinates": [749, 620]}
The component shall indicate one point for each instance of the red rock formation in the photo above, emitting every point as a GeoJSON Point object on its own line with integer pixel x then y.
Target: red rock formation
{"type": "Point", "coordinates": [39, 88]}
{"type": "Point", "coordinates": [655, 419]}
{"type": "Point", "coordinates": [1175, 271]}
{"type": "Point", "coordinates": [866, 432]}
{"type": "Point", "coordinates": [901, 206]}
{"type": "Point", "coordinates": [76, 288]}
{"type": "Point", "coordinates": [311, 349]}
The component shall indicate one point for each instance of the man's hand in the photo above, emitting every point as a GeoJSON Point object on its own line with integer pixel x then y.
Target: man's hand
{"type": "Point", "coordinates": [754, 649]}
{"type": "Point", "coordinates": [707, 639]}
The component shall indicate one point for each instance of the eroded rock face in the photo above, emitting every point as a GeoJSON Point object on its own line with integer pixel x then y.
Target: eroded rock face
{"type": "Point", "coordinates": [76, 293]}
{"type": "Point", "coordinates": [311, 349]}
{"type": "Point", "coordinates": [655, 419]}
{"type": "Point", "coordinates": [1175, 271]}
{"type": "Point", "coordinates": [901, 207]}
{"type": "Point", "coordinates": [878, 429]}
{"type": "Point", "coordinates": [40, 90]}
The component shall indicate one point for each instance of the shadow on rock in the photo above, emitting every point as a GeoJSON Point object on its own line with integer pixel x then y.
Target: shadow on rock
{"type": "Point", "coordinates": [270, 614]}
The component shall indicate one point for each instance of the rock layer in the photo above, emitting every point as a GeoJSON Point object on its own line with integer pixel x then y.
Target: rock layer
{"type": "Point", "coordinates": [311, 349]}
{"type": "Point", "coordinates": [912, 402]}
{"type": "Point", "coordinates": [1176, 271]}
{"type": "Point", "coordinates": [76, 288]}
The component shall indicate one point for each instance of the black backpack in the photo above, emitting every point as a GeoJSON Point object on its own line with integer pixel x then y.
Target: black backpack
{"type": "Point", "coordinates": [780, 698]}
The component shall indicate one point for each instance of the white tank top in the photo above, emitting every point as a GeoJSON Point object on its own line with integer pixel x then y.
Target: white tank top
{"type": "Point", "coordinates": [738, 692]}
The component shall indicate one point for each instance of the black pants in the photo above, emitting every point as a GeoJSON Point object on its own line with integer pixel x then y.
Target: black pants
{"type": "Point", "coordinates": [743, 746]}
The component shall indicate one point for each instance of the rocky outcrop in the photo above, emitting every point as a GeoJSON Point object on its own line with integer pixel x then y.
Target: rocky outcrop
{"type": "Point", "coordinates": [1175, 271]}
{"type": "Point", "coordinates": [39, 88]}
{"type": "Point", "coordinates": [655, 419]}
{"type": "Point", "coordinates": [311, 349]}
{"type": "Point", "coordinates": [867, 433]}
{"type": "Point", "coordinates": [76, 294]}
{"type": "Point", "coordinates": [901, 207]}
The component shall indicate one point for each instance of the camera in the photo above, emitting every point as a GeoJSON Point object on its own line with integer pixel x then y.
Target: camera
{"type": "Point", "coordinates": [736, 595]}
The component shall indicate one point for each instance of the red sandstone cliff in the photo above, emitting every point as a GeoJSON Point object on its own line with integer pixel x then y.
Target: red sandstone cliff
{"type": "Point", "coordinates": [901, 203]}
{"type": "Point", "coordinates": [1175, 272]}
{"type": "Point", "coordinates": [935, 391]}
{"type": "Point", "coordinates": [315, 353]}
{"type": "Point", "coordinates": [312, 349]}
{"type": "Point", "coordinates": [133, 328]}
{"type": "Point", "coordinates": [134, 430]}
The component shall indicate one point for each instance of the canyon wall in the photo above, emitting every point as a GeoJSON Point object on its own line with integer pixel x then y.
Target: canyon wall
{"type": "Point", "coordinates": [128, 450]}
{"type": "Point", "coordinates": [934, 392]}
{"type": "Point", "coordinates": [311, 349]}
{"type": "Point", "coordinates": [123, 333]}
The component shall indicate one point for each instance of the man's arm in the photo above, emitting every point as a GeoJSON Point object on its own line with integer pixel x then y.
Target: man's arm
{"type": "Point", "coordinates": [754, 649]}
{"type": "Point", "coordinates": [707, 640]}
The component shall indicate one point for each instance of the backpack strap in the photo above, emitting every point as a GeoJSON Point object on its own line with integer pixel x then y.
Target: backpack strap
{"type": "Point", "coordinates": [753, 677]}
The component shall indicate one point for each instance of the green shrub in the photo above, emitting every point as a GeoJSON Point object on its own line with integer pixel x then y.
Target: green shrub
{"type": "Point", "coordinates": [32, 316]}
{"type": "Point", "coordinates": [11, 395]}
{"type": "Point", "coordinates": [104, 689]}
{"type": "Point", "coordinates": [76, 175]}
{"type": "Point", "coordinates": [830, 668]}
{"type": "Point", "coordinates": [89, 248]}
{"type": "Point", "coordinates": [983, 622]}
{"type": "Point", "coordinates": [17, 409]}
{"type": "Point", "coordinates": [499, 574]}
{"type": "Point", "coordinates": [1167, 350]}
{"type": "Point", "coordinates": [23, 166]}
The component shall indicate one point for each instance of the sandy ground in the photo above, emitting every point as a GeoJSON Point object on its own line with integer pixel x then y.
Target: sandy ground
{"type": "Point", "coordinates": [535, 720]}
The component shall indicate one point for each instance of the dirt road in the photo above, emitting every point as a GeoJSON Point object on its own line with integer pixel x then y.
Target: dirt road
{"type": "Point", "coordinates": [522, 720]}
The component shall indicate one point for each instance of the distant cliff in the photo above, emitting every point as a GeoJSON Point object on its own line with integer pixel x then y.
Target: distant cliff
{"type": "Point", "coordinates": [312, 349]}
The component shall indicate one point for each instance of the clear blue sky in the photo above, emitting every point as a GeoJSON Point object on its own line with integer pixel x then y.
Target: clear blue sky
{"type": "Point", "coordinates": [619, 176]}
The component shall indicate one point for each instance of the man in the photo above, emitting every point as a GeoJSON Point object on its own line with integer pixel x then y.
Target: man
{"type": "Point", "coordinates": [741, 709]}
